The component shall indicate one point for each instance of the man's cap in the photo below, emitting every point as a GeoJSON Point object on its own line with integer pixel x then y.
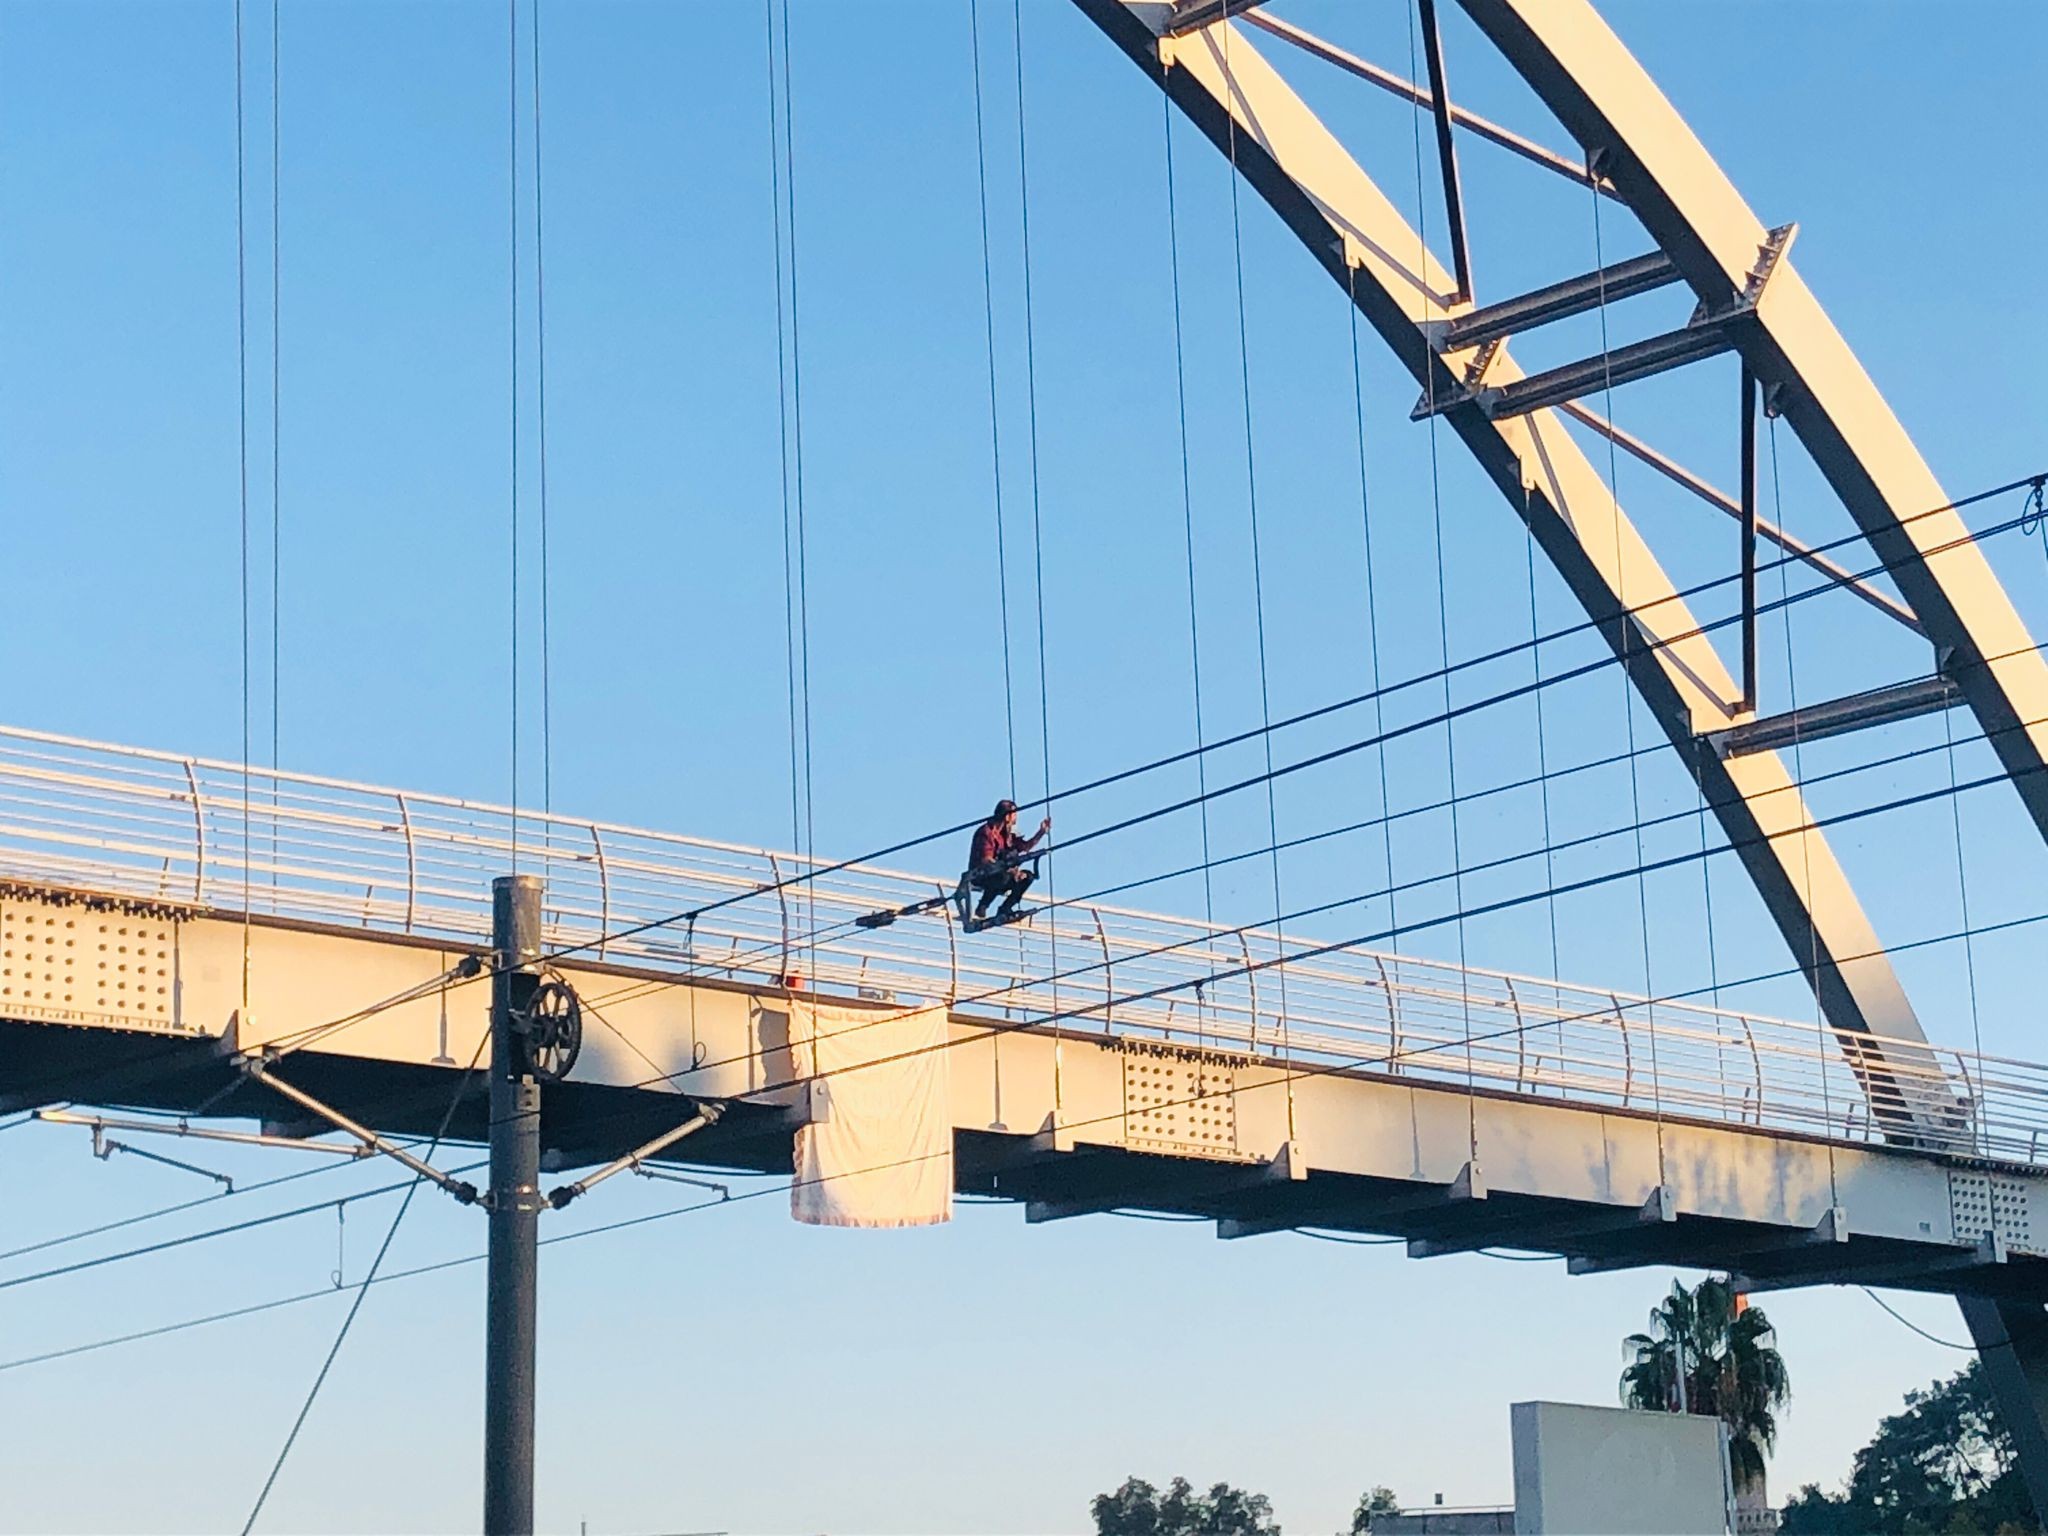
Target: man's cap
{"type": "Point", "coordinates": [1005, 807]}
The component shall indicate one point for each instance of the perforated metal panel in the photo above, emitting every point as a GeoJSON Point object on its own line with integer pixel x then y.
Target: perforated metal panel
{"type": "Point", "coordinates": [1181, 1101]}
{"type": "Point", "coordinates": [1985, 1202]}
{"type": "Point", "coordinates": [78, 964]}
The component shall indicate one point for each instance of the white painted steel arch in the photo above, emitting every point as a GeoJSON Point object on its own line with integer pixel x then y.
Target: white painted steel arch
{"type": "Point", "coordinates": [1648, 159]}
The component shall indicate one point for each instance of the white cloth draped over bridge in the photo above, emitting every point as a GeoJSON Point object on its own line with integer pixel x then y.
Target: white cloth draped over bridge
{"type": "Point", "coordinates": [879, 1152]}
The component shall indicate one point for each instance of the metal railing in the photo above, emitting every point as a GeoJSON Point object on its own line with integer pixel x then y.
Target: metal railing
{"type": "Point", "coordinates": [150, 826]}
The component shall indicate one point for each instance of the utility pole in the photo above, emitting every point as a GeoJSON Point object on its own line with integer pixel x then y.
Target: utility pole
{"type": "Point", "coordinates": [515, 1206]}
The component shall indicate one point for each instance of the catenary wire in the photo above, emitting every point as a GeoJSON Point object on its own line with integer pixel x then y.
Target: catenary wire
{"type": "Point", "coordinates": [1252, 967]}
{"type": "Point", "coordinates": [268, 1219]}
{"type": "Point", "coordinates": [1911, 1326]}
{"type": "Point", "coordinates": [1122, 775]}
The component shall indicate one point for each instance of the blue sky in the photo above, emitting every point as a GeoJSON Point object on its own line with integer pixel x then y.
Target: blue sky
{"type": "Point", "coordinates": [727, 1370]}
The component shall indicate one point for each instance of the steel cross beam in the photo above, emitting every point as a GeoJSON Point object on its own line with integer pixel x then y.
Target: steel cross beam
{"type": "Point", "coordinates": [1348, 224]}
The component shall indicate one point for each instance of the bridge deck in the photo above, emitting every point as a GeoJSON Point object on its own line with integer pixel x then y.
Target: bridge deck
{"type": "Point", "coordinates": [1454, 1106]}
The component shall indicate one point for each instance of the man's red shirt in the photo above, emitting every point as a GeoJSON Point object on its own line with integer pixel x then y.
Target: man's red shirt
{"type": "Point", "coordinates": [992, 844]}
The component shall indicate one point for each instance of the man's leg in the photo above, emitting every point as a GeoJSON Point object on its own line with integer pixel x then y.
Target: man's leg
{"type": "Point", "coordinates": [990, 886]}
{"type": "Point", "coordinates": [1020, 882]}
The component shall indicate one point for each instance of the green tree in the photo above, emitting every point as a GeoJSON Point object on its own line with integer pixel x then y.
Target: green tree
{"type": "Point", "coordinates": [1376, 1500]}
{"type": "Point", "coordinates": [1138, 1509]}
{"type": "Point", "coordinates": [1733, 1370]}
{"type": "Point", "coordinates": [1944, 1463]}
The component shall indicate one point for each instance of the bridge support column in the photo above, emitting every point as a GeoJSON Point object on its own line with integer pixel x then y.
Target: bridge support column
{"type": "Point", "coordinates": [2012, 1341]}
{"type": "Point", "coordinates": [515, 1205]}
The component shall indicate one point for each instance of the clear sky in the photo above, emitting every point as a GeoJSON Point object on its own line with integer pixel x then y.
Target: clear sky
{"type": "Point", "coordinates": [726, 1369]}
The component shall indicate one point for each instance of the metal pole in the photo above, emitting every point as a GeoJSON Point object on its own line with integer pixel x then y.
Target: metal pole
{"type": "Point", "coordinates": [515, 1201]}
{"type": "Point", "coordinates": [1750, 525]}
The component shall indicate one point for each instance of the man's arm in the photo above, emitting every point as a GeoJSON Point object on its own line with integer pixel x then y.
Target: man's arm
{"type": "Point", "coordinates": [1037, 837]}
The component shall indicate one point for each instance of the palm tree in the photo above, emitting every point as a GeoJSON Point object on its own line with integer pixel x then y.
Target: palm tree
{"type": "Point", "coordinates": [1733, 1370]}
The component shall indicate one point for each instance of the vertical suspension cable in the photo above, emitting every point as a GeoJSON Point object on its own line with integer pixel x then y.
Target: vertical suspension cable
{"type": "Point", "coordinates": [796, 420]}
{"type": "Point", "coordinates": [1807, 835]}
{"type": "Point", "coordinates": [796, 824]}
{"type": "Point", "coordinates": [1627, 686]}
{"type": "Point", "coordinates": [995, 424]}
{"type": "Point", "coordinates": [1187, 507]}
{"type": "Point", "coordinates": [242, 378]}
{"type": "Point", "coordinates": [1372, 625]}
{"type": "Point", "coordinates": [1955, 809]}
{"type": "Point", "coordinates": [1251, 482]}
{"type": "Point", "coordinates": [1628, 711]}
{"type": "Point", "coordinates": [276, 399]}
{"type": "Point", "coordinates": [540, 406]}
{"type": "Point", "coordinates": [512, 421]}
{"type": "Point", "coordinates": [1037, 522]}
{"type": "Point", "coordinates": [1443, 619]}
{"type": "Point", "coordinates": [1372, 636]}
{"type": "Point", "coordinates": [1543, 775]}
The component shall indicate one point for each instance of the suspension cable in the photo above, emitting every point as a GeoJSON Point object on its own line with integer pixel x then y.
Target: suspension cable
{"type": "Point", "coordinates": [1372, 623]}
{"type": "Point", "coordinates": [796, 420]}
{"type": "Point", "coordinates": [995, 420]}
{"type": "Point", "coordinates": [1628, 699]}
{"type": "Point", "coordinates": [1805, 841]}
{"type": "Point", "coordinates": [540, 406]}
{"type": "Point", "coordinates": [1251, 487]}
{"type": "Point", "coordinates": [1037, 522]}
{"type": "Point", "coordinates": [512, 420]}
{"type": "Point", "coordinates": [1443, 612]}
{"type": "Point", "coordinates": [242, 398]}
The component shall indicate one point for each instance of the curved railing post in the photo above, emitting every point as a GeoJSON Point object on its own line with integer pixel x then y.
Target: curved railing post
{"type": "Point", "coordinates": [1521, 1033]}
{"type": "Point", "coordinates": [1393, 1014]}
{"type": "Point", "coordinates": [782, 901]}
{"type": "Point", "coordinates": [1628, 1055]}
{"type": "Point", "coordinates": [1108, 975]}
{"type": "Point", "coordinates": [198, 835]}
{"type": "Point", "coordinates": [604, 892]}
{"type": "Point", "coordinates": [1251, 978]}
{"type": "Point", "coordinates": [952, 945]}
{"type": "Point", "coordinates": [412, 872]}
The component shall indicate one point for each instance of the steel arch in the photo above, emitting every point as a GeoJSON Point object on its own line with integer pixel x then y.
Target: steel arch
{"type": "Point", "coordinates": [1645, 156]}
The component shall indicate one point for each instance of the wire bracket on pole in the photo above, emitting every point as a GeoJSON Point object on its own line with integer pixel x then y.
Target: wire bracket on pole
{"type": "Point", "coordinates": [259, 1068]}
{"type": "Point", "coordinates": [104, 1146]}
{"type": "Point", "coordinates": [707, 1114]}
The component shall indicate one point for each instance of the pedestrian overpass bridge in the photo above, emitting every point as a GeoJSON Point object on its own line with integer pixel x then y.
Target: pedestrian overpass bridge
{"type": "Point", "coordinates": [163, 919]}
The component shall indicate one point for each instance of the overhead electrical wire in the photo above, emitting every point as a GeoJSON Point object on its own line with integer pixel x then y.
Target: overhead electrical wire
{"type": "Point", "coordinates": [1552, 680]}
{"type": "Point", "coordinates": [1106, 1006]}
{"type": "Point", "coordinates": [739, 960]}
{"type": "Point", "coordinates": [269, 1219]}
{"type": "Point", "coordinates": [1322, 711]}
{"type": "Point", "coordinates": [729, 963]}
{"type": "Point", "coordinates": [180, 1206]}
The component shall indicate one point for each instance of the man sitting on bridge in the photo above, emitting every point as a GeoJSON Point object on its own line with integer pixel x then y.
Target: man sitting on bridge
{"type": "Point", "coordinates": [995, 864]}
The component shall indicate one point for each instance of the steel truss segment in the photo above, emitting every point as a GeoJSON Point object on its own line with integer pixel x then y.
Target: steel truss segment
{"type": "Point", "coordinates": [1349, 224]}
{"type": "Point", "coordinates": [1589, 80]}
{"type": "Point", "coordinates": [1592, 84]}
